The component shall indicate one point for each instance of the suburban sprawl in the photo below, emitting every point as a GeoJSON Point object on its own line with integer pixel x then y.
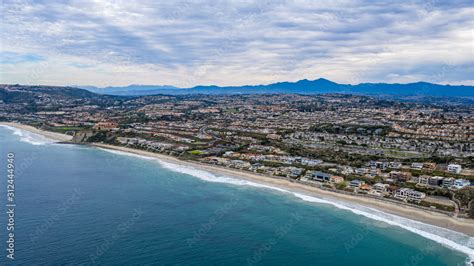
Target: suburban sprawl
{"type": "Point", "coordinates": [407, 152]}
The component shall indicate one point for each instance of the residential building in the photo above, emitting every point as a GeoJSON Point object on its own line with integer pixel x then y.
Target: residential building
{"type": "Point", "coordinates": [400, 176]}
{"type": "Point", "coordinates": [423, 180]}
{"type": "Point", "coordinates": [378, 165]}
{"type": "Point", "coordinates": [380, 188]}
{"type": "Point", "coordinates": [435, 181]}
{"type": "Point", "coordinates": [448, 182]}
{"type": "Point", "coordinates": [395, 165]}
{"type": "Point", "coordinates": [409, 194]}
{"type": "Point", "coordinates": [336, 179]}
{"type": "Point", "coordinates": [454, 168]}
{"type": "Point", "coordinates": [105, 125]}
{"type": "Point", "coordinates": [321, 176]}
{"type": "Point", "coordinates": [361, 171]}
{"type": "Point", "coordinates": [415, 179]}
{"type": "Point", "coordinates": [461, 183]}
{"type": "Point", "coordinates": [356, 183]}
{"type": "Point", "coordinates": [417, 166]}
{"type": "Point", "coordinates": [295, 172]}
{"type": "Point", "coordinates": [429, 166]}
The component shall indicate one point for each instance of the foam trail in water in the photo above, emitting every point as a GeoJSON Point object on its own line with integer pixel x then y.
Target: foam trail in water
{"type": "Point", "coordinates": [29, 137]}
{"type": "Point", "coordinates": [446, 237]}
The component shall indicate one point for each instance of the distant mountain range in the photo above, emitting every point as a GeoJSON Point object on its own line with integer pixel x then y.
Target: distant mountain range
{"type": "Point", "coordinates": [304, 86]}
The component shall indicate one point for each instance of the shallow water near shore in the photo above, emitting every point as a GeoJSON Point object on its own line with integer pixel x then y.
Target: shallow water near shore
{"type": "Point", "coordinates": [79, 204]}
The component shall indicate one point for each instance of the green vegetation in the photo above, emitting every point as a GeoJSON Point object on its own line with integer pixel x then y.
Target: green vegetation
{"type": "Point", "coordinates": [416, 172]}
{"type": "Point", "coordinates": [437, 206]}
{"type": "Point", "coordinates": [465, 197]}
{"type": "Point", "coordinates": [342, 185]}
{"type": "Point", "coordinates": [351, 129]}
{"type": "Point", "coordinates": [66, 129]}
{"type": "Point", "coordinates": [195, 152]}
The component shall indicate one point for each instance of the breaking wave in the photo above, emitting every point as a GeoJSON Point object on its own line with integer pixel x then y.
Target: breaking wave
{"type": "Point", "coordinates": [127, 154]}
{"type": "Point", "coordinates": [449, 238]}
{"type": "Point", "coordinates": [29, 137]}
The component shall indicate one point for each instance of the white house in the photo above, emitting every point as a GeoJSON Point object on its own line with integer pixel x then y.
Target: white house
{"type": "Point", "coordinates": [409, 194]}
{"type": "Point", "coordinates": [417, 165]}
{"type": "Point", "coordinates": [380, 188]}
{"type": "Point", "coordinates": [454, 168]}
{"type": "Point", "coordinates": [448, 182]}
{"type": "Point", "coordinates": [460, 183]}
{"type": "Point", "coordinates": [423, 180]}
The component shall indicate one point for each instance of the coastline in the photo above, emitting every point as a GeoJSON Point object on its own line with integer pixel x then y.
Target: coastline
{"type": "Point", "coordinates": [48, 134]}
{"type": "Point", "coordinates": [461, 225]}
{"type": "Point", "coordinates": [455, 224]}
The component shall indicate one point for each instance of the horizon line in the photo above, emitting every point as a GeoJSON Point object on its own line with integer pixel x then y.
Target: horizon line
{"type": "Point", "coordinates": [223, 86]}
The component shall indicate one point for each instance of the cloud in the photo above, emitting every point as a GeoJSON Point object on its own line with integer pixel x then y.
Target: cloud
{"type": "Point", "coordinates": [15, 58]}
{"type": "Point", "coordinates": [237, 42]}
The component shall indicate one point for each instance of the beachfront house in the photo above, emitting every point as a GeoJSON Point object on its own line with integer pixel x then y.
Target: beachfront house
{"type": "Point", "coordinates": [295, 172]}
{"type": "Point", "coordinates": [320, 176]}
{"type": "Point", "coordinates": [409, 194]}
{"type": "Point", "coordinates": [356, 183]}
{"type": "Point", "coordinates": [380, 188]}
{"type": "Point", "coordinates": [334, 179]}
{"type": "Point", "coordinates": [239, 164]}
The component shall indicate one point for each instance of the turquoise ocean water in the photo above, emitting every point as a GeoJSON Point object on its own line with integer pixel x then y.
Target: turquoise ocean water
{"type": "Point", "coordinates": [82, 205]}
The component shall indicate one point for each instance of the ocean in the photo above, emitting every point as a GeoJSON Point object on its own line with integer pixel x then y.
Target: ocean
{"type": "Point", "coordinates": [84, 205]}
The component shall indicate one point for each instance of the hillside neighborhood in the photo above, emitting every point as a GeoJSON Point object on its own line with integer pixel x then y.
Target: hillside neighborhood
{"type": "Point", "coordinates": [413, 153]}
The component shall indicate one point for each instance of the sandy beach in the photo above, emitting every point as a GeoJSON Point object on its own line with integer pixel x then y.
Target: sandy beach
{"type": "Point", "coordinates": [465, 226]}
{"type": "Point", "coordinates": [51, 135]}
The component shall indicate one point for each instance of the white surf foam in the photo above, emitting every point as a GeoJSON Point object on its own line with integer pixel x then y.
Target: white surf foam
{"type": "Point", "coordinates": [127, 154]}
{"type": "Point", "coordinates": [210, 177]}
{"type": "Point", "coordinates": [446, 237]}
{"type": "Point", "coordinates": [29, 137]}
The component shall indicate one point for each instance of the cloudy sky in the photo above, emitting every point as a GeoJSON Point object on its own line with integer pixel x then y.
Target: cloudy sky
{"type": "Point", "coordinates": [186, 43]}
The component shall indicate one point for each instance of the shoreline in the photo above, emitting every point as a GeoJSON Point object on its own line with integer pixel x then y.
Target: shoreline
{"type": "Point", "coordinates": [465, 226]}
{"type": "Point", "coordinates": [461, 225]}
{"type": "Point", "coordinates": [48, 134]}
